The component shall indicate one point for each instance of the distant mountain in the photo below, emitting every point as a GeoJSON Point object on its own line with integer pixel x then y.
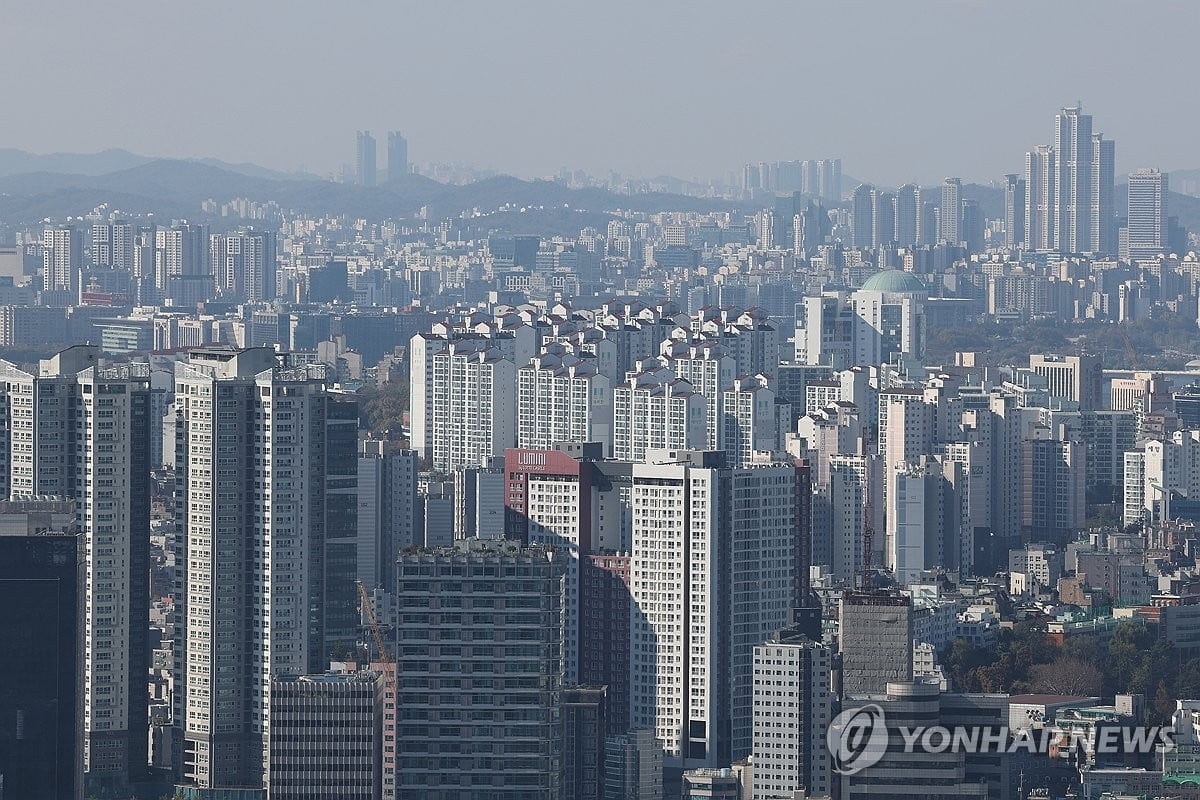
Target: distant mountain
{"type": "Point", "coordinates": [106, 162]}
{"type": "Point", "coordinates": [173, 188]}
{"type": "Point", "coordinates": [16, 162]}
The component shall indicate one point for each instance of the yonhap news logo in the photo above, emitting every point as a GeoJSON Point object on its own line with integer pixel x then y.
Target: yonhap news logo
{"type": "Point", "coordinates": [858, 738]}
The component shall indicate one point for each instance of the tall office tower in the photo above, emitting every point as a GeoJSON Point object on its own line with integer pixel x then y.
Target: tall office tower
{"type": "Point", "coordinates": [1053, 490]}
{"type": "Point", "coordinates": [1014, 212]}
{"type": "Point", "coordinates": [810, 178]}
{"type": "Point", "coordinates": [470, 669]}
{"type": "Point", "coordinates": [751, 418]}
{"type": "Point", "coordinates": [397, 156]}
{"type": "Point", "coordinates": [793, 706]}
{"type": "Point", "coordinates": [584, 728]}
{"type": "Point", "coordinates": [862, 218]}
{"type": "Point", "coordinates": [875, 641]}
{"type": "Point", "coordinates": [81, 430]}
{"type": "Point", "coordinates": [973, 226]}
{"type": "Point", "coordinates": [950, 219]}
{"type": "Point", "coordinates": [713, 575]}
{"type": "Point", "coordinates": [41, 705]}
{"type": "Point", "coordinates": [1102, 205]}
{"type": "Point", "coordinates": [710, 369]}
{"type": "Point", "coordinates": [244, 264]}
{"type": "Point", "coordinates": [1041, 174]}
{"type": "Point", "coordinates": [927, 218]}
{"type": "Point", "coordinates": [365, 159]}
{"type": "Point", "coordinates": [830, 179]}
{"type": "Point", "coordinates": [1073, 150]}
{"type": "Point", "coordinates": [883, 218]}
{"type": "Point", "coordinates": [604, 601]}
{"type": "Point", "coordinates": [62, 258]}
{"type": "Point", "coordinates": [327, 736]}
{"type": "Point", "coordinates": [1147, 221]}
{"type": "Point", "coordinates": [633, 767]}
{"type": "Point", "coordinates": [260, 450]}
{"type": "Point", "coordinates": [654, 409]}
{"type": "Point", "coordinates": [906, 215]}
{"type": "Point", "coordinates": [947, 773]}
{"type": "Point", "coordinates": [387, 510]}
{"type": "Point", "coordinates": [563, 397]}
{"type": "Point", "coordinates": [467, 401]}
{"type": "Point", "coordinates": [882, 320]}
{"type": "Point", "coordinates": [1075, 379]}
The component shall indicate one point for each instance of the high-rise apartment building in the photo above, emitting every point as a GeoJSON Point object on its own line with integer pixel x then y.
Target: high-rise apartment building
{"type": "Point", "coordinates": [464, 401]}
{"type": "Point", "coordinates": [710, 369]}
{"type": "Point", "coordinates": [365, 159]}
{"type": "Point", "coordinates": [563, 397]}
{"type": "Point", "coordinates": [42, 584]}
{"type": "Point", "coordinates": [906, 215]}
{"type": "Point", "coordinates": [1103, 201]}
{"type": "Point", "coordinates": [656, 409]}
{"type": "Point", "coordinates": [1014, 212]}
{"type": "Point", "coordinates": [1041, 174]}
{"type": "Point", "coordinates": [793, 706]}
{"type": "Point", "coordinates": [1073, 147]}
{"type": "Point", "coordinates": [387, 516]}
{"type": "Point", "coordinates": [950, 228]}
{"type": "Point", "coordinates": [80, 430]}
{"type": "Point", "coordinates": [1147, 220]}
{"type": "Point", "coordinates": [862, 217]}
{"type": "Point", "coordinates": [244, 265]}
{"type": "Point", "coordinates": [713, 570]}
{"type": "Point", "coordinates": [479, 672]}
{"type": "Point", "coordinates": [397, 156]}
{"type": "Point", "coordinates": [883, 218]}
{"type": "Point", "coordinates": [266, 563]}
{"type": "Point", "coordinates": [62, 258]}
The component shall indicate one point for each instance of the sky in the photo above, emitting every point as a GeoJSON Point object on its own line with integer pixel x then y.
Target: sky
{"type": "Point", "coordinates": [899, 89]}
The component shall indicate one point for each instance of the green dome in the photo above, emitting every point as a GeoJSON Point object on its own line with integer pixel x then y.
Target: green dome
{"type": "Point", "coordinates": [893, 280]}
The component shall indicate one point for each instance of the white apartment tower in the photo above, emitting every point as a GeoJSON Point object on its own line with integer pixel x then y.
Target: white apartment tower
{"type": "Point", "coordinates": [62, 258]}
{"type": "Point", "coordinates": [562, 397]}
{"type": "Point", "coordinates": [713, 561]}
{"type": "Point", "coordinates": [464, 401]}
{"type": "Point", "coordinates": [793, 706]}
{"type": "Point", "coordinates": [80, 430]}
{"type": "Point", "coordinates": [654, 409]}
{"type": "Point", "coordinates": [710, 371]}
{"type": "Point", "coordinates": [252, 443]}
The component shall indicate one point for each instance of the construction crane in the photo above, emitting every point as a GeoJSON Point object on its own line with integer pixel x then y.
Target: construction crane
{"type": "Point", "coordinates": [868, 533]}
{"type": "Point", "coordinates": [368, 611]}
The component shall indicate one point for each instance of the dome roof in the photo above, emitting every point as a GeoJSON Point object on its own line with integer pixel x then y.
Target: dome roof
{"type": "Point", "coordinates": [893, 280]}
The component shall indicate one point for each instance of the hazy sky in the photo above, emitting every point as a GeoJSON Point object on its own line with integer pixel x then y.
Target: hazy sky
{"type": "Point", "coordinates": [900, 89]}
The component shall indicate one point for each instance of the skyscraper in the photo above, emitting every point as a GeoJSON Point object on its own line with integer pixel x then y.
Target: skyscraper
{"type": "Point", "coordinates": [62, 258]}
{"type": "Point", "coordinates": [862, 218]}
{"type": "Point", "coordinates": [793, 706]}
{"type": "Point", "coordinates": [1147, 221]}
{"type": "Point", "coordinates": [41, 681]}
{"type": "Point", "coordinates": [883, 218]}
{"type": "Point", "coordinates": [1041, 173]}
{"type": "Point", "coordinates": [1014, 212]}
{"type": "Point", "coordinates": [1073, 149]}
{"type": "Point", "coordinates": [266, 562]}
{"type": "Point", "coordinates": [80, 430]}
{"type": "Point", "coordinates": [906, 215]}
{"type": "Point", "coordinates": [950, 221]}
{"type": "Point", "coordinates": [243, 264]}
{"type": "Point", "coordinates": [366, 159]}
{"type": "Point", "coordinates": [1103, 208]}
{"type": "Point", "coordinates": [397, 163]}
{"type": "Point", "coordinates": [713, 561]}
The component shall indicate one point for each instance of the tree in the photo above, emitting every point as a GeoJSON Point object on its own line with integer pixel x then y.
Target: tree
{"type": "Point", "coordinates": [1066, 675]}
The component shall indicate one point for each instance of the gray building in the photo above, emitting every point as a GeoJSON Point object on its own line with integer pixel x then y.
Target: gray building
{"type": "Point", "coordinates": [326, 736]}
{"type": "Point", "coordinates": [633, 767]}
{"type": "Point", "coordinates": [479, 672]}
{"type": "Point", "coordinates": [875, 635]}
{"type": "Point", "coordinates": [584, 726]}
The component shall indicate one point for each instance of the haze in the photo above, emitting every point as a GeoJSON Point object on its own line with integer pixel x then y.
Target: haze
{"type": "Point", "coordinates": [899, 91]}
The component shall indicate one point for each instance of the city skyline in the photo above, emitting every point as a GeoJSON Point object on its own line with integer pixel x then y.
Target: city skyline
{"type": "Point", "coordinates": [441, 110]}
